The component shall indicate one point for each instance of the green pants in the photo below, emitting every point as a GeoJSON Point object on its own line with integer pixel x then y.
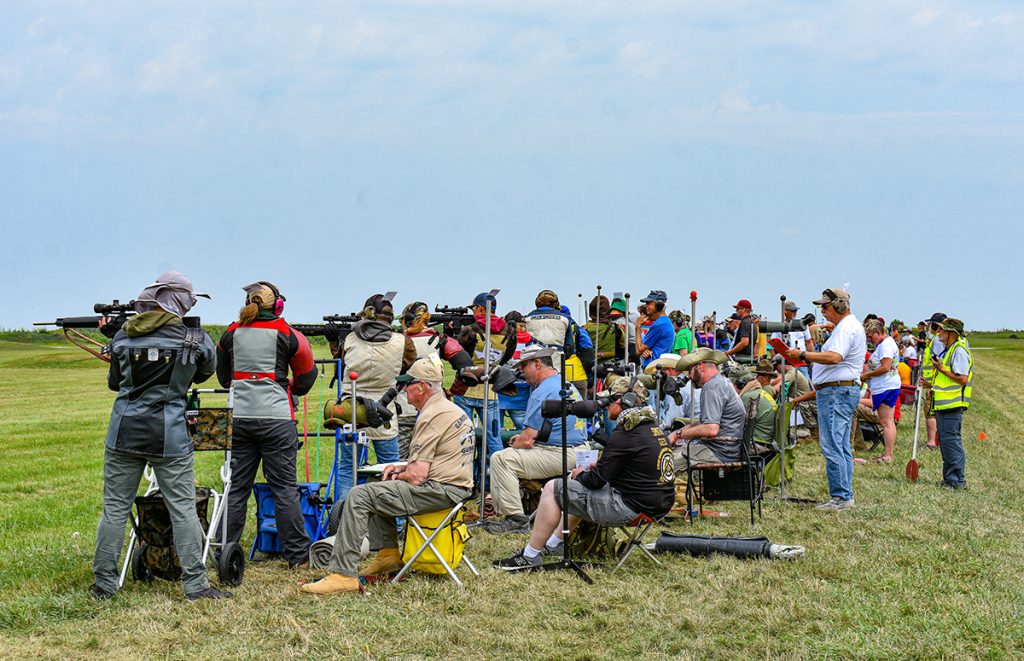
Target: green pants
{"type": "Point", "coordinates": [121, 476]}
{"type": "Point", "coordinates": [372, 508]}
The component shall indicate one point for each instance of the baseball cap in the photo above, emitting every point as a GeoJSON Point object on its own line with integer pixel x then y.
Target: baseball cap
{"type": "Point", "coordinates": [263, 294]}
{"type": "Point", "coordinates": [481, 300]}
{"type": "Point", "coordinates": [424, 369]}
{"type": "Point", "coordinates": [620, 387]}
{"type": "Point", "coordinates": [791, 306]}
{"type": "Point", "coordinates": [936, 318]}
{"type": "Point", "coordinates": [832, 295]}
{"type": "Point", "coordinates": [743, 303]}
{"type": "Point", "coordinates": [655, 295]}
{"type": "Point", "coordinates": [535, 351]}
{"type": "Point", "coordinates": [619, 304]}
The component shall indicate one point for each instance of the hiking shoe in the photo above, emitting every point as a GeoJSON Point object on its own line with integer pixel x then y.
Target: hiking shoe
{"type": "Point", "coordinates": [835, 504]}
{"type": "Point", "coordinates": [517, 562]}
{"type": "Point", "coordinates": [334, 584]}
{"type": "Point", "coordinates": [515, 524]}
{"type": "Point", "coordinates": [950, 486]}
{"type": "Point", "coordinates": [388, 561]}
{"type": "Point", "coordinates": [96, 593]}
{"type": "Point", "coordinates": [209, 593]}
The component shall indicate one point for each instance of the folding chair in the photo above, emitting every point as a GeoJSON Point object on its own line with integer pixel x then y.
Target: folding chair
{"type": "Point", "coordinates": [454, 516]}
{"type": "Point", "coordinates": [636, 530]}
{"type": "Point", "coordinates": [731, 480]}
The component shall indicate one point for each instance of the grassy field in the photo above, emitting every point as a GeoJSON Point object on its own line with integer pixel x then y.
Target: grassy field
{"type": "Point", "coordinates": [913, 572]}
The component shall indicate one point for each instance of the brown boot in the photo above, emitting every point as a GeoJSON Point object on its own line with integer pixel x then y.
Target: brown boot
{"type": "Point", "coordinates": [386, 562]}
{"type": "Point", "coordinates": [333, 584]}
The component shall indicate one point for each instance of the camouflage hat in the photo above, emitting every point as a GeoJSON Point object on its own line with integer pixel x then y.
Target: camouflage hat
{"type": "Point", "coordinates": [547, 299]}
{"type": "Point", "coordinates": [679, 317]}
{"type": "Point", "coordinates": [832, 295]}
{"type": "Point", "coordinates": [620, 386]}
{"type": "Point", "coordinates": [741, 376]}
{"type": "Point", "coordinates": [765, 367]}
{"type": "Point", "coordinates": [952, 325]}
{"type": "Point", "coordinates": [263, 294]}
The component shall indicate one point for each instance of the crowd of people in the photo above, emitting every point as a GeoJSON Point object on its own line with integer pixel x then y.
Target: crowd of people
{"type": "Point", "coordinates": [674, 392]}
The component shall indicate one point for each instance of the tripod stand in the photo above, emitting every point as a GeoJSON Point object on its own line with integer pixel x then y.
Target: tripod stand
{"type": "Point", "coordinates": [566, 562]}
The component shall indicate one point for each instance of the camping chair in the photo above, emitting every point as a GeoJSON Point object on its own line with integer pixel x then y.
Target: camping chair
{"type": "Point", "coordinates": [635, 532]}
{"type": "Point", "coordinates": [451, 522]}
{"type": "Point", "coordinates": [730, 480]}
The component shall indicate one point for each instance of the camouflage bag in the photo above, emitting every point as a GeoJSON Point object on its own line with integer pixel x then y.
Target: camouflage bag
{"type": "Point", "coordinates": [156, 535]}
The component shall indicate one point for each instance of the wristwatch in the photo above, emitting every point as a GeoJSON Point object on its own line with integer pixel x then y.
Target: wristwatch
{"type": "Point", "coordinates": [803, 356]}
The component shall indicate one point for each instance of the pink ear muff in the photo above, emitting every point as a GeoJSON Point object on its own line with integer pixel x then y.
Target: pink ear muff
{"type": "Point", "coordinates": [278, 307]}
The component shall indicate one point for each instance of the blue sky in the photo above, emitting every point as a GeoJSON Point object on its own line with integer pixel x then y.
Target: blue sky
{"type": "Point", "coordinates": [443, 148]}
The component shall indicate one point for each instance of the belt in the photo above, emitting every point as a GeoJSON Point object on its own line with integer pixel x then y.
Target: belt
{"type": "Point", "coordinates": [834, 384]}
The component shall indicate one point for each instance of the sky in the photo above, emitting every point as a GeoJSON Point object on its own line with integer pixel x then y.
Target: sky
{"type": "Point", "coordinates": [339, 149]}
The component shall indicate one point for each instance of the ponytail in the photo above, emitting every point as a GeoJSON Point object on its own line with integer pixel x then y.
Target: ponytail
{"type": "Point", "coordinates": [247, 314]}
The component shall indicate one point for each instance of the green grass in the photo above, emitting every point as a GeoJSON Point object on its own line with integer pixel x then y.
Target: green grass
{"type": "Point", "coordinates": [913, 571]}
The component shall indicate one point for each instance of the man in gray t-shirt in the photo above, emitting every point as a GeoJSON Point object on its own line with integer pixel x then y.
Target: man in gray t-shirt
{"type": "Point", "coordinates": [721, 413]}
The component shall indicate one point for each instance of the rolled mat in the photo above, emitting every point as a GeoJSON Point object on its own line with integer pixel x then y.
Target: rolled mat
{"type": "Point", "coordinates": [699, 545]}
{"type": "Point", "coordinates": [320, 553]}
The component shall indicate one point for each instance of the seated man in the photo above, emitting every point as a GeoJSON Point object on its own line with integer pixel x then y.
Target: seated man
{"type": "Point", "coordinates": [535, 454]}
{"type": "Point", "coordinates": [438, 476]}
{"type": "Point", "coordinates": [635, 475]}
{"type": "Point", "coordinates": [674, 409]}
{"type": "Point", "coordinates": [764, 422]}
{"type": "Point", "coordinates": [721, 413]}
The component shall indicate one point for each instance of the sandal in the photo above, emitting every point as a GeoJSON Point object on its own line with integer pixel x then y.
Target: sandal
{"type": "Point", "coordinates": [882, 460]}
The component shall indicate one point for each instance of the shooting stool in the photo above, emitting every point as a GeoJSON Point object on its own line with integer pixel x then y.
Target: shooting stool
{"type": "Point", "coordinates": [635, 532]}
{"type": "Point", "coordinates": [414, 533]}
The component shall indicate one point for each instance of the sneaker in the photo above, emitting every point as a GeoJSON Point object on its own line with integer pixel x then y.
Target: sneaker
{"type": "Point", "coordinates": [515, 524]}
{"type": "Point", "coordinates": [517, 562]}
{"type": "Point", "coordinates": [835, 504]}
{"type": "Point", "coordinates": [96, 593]}
{"type": "Point", "coordinates": [209, 593]}
{"type": "Point", "coordinates": [949, 486]}
{"type": "Point", "coordinates": [556, 552]}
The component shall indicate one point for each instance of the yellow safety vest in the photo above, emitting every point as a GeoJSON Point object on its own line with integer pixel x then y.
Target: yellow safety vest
{"type": "Point", "coordinates": [927, 371]}
{"type": "Point", "coordinates": [498, 343]}
{"type": "Point", "coordinates": [948, 393]}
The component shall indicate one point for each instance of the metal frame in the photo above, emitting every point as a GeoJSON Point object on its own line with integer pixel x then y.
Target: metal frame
{"type": "Point", "coordinates": [638, 530]}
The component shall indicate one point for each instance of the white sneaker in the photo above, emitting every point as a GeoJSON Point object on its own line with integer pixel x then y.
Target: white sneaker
{"type": "Point", "coordinates": [835, 504]}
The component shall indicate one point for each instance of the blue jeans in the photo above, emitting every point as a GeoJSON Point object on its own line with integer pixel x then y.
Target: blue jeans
{"type": "Point", "coordinates": [514, 405]}
{"type": "Point", "coordinates": [948, 423]}
{"type": "Point", "coordinates": [836, 407]}
{"type": "Point", "coordinates": [475, 405]}
{"type": "Point", "coordinates": [385, 449]}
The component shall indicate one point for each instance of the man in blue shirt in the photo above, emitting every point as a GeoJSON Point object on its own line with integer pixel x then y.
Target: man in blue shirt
{"type": "Point", "coordinates": [654, 331]}
{"type": "Point", "coordinates": [536, 452]}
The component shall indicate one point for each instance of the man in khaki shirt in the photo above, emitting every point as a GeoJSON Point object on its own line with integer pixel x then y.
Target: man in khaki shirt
{"type": "Point", "coordinates": [438, 475]}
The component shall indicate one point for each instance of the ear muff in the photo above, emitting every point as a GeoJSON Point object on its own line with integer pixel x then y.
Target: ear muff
{"type": "Point", "coordinates": [279, 300]}
{"type": "Point", "coordinates": [840, 306]}
{"type": "Point", "coordinates": [659, 306]}
{"type": "Point", "coordinates": [629, 398]}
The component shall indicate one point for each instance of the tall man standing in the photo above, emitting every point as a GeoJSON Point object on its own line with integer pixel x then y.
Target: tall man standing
{"type": "Point", "coordinates": [154, 359]}
{"type": "Point", "coordinates": [743, 348]}
{"type": "Point", "coordinates": [951, 387]}
{"type": "Point", "coordinates": [837, 387]}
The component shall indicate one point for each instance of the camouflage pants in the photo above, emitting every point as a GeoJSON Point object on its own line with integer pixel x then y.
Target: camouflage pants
{"type": "Point", "coordinates": [405, 425]}
{"type": "Point", "coordinates": [809, 412]}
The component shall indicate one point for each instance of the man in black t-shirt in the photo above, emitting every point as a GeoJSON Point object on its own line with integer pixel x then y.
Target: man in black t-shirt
{"type": "Point", "coordinates": [635, 475]}
{"type": "Point", "coordinates": [743, 343]}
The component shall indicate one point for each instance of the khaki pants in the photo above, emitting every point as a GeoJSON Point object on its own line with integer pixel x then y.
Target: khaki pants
{"type": "Point", "coordinates": [699, 454]}
{"type": "Point", "coordinates": [511, 465]}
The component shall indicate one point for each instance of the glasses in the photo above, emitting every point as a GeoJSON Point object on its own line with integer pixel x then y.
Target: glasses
{"type": "Point", "coordinates": [825, 306]}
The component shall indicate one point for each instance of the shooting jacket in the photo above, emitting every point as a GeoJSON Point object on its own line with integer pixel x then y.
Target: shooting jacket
{"type": "Point", "coordinates": [154, 359]}
{"type": "Point", "coordinates": [378, 355]}
{"type": "Point", "coordinates": [254, 360]}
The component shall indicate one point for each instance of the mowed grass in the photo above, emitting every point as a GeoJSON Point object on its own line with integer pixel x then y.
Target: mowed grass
{"type": "Point", "coordinates": [913, 571]}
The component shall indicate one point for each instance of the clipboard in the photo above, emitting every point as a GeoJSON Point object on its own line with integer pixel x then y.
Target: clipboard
{"type": "Point", "coordinates": [781, 349]}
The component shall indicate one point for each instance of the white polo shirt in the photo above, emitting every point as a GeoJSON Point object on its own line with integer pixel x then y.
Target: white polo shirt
{"type": "Point", "coordinates": [849, 341]}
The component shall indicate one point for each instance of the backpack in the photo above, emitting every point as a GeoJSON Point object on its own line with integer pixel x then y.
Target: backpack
{"type": "Point", "coordinates": [594, 541]}
{"type": "Point", "coordinates": [605, 345]}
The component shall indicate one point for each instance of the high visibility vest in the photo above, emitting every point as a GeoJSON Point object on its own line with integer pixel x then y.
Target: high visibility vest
{"type": "Point", "coordinates": [948, 393]}
{"type": "Point", "coordinates": [498, 343]}
{"type": "Point", "coordinates": [927, 371]}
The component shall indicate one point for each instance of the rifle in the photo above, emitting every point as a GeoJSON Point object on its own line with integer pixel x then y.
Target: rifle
{"type": "Point", "coordinates": [118, 311]}
{"type": "Point", "coordinates": [343, 322]}
{"type": "Point", "coordinates": [452, 318]}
